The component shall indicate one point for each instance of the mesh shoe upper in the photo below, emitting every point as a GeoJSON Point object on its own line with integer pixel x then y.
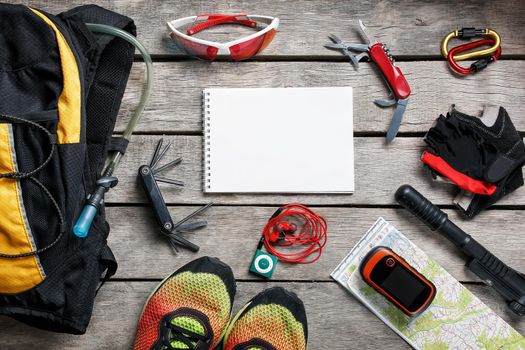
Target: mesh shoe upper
{"type": "Point", "coordinates": [274, 319]}
{"type": "Point", "coordinates": [190, 309]}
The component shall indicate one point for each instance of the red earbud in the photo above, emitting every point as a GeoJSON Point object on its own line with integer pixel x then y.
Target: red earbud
{"type": "Point", "coordinates": [308, 235]}
{"type": "Point", "coordinates": [285, 227]}
{"type": "Point", "coordinates": [280, 229]}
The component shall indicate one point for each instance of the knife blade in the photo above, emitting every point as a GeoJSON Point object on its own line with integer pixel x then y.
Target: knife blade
{"type": "Point", "coordinates": [366, 34]}
{"type": "Point", "coordinates": [396, 120]}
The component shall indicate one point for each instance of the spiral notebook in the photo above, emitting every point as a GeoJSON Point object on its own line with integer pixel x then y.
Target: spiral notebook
{"type": "Point", "coordinates": [278, 140]}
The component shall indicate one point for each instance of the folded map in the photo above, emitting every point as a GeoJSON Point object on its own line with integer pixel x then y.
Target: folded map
{"type": "Point", "coordinates": [456, 319]}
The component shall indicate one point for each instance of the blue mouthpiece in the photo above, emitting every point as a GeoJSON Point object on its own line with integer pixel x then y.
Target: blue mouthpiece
{"type": "Point", "coordinates": [84, 221]}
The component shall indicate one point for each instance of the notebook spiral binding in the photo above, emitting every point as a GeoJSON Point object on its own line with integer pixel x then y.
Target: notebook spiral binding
{"type": "Point", "coordinates": [207, 139]}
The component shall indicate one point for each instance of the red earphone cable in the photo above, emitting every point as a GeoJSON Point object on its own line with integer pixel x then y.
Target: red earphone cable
{"type": "Point", "coordinates": [311, 233]}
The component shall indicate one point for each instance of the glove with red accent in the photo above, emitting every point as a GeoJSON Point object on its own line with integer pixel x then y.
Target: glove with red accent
{"type": "Point", "coordinates": [485, 160]}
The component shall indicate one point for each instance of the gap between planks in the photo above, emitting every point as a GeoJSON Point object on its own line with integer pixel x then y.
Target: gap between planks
{"type": "Point", "coordinates": [288, 58]}
{"type": "Point", "coordinates": [245, 280]}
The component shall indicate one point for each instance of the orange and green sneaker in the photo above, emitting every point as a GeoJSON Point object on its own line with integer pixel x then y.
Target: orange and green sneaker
{"type": "Point", "coordinates": [274, 320]}
{"type": "Point", "coordinates": [190, 309]}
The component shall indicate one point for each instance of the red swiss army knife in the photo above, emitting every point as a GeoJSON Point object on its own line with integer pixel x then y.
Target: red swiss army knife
{"type": "Point", "coordinates": [379, 53]}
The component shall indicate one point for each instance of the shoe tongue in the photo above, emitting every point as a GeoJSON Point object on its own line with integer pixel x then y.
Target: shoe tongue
{"type": "Point", "coordinates": [189, 323]}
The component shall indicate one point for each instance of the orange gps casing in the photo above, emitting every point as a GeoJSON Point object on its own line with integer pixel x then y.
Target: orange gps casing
{"type": "Point", "coordinates": [395, 279]}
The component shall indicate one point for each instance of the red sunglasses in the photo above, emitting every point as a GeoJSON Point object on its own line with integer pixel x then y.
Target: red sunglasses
{"type": "Point", "coordinates": [240, 49]}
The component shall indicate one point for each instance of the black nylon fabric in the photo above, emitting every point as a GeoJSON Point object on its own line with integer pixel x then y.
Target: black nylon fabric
{"type": "Point", "coordinates": [492, 154]}
{"type": "Point", "coordinates": [108, 82]}
{"type": "Point", "coordinates": [33, 50]}
{"type": "Point", "coordinates": [119, 144]}
{"type": "Point", "coordinates": [31, 83]}
{"type": "Point", "coordinates": [30, 72]}
{"type": "Point", "coordinates": [64, 301]}
{"type": "Point", "coordinates": [32, 148]}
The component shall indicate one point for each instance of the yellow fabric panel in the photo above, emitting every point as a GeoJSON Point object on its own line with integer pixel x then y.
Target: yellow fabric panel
{"type": "Point", "coordinates": [20, 274]}
{"type": "Point", "coordinates": [69, 102]}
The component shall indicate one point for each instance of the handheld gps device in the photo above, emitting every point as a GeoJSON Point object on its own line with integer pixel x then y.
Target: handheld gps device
{"type": "Point", "coordinates": [400, 283]}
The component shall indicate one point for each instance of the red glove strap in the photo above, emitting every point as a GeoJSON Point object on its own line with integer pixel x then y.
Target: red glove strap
{"type": "Point", "coordinates": [463, 181]}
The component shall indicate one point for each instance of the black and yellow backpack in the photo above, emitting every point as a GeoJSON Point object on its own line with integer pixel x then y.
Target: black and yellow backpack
{"type": "Point", "coordinates": [60, 91]}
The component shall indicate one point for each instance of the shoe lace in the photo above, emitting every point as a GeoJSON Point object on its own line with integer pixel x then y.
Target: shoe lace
{"type": "Point", "coordinates": [182, 336]}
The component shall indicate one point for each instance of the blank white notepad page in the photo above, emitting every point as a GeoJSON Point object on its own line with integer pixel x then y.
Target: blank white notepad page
{"type": "Point", "coordinates": [278, 140]}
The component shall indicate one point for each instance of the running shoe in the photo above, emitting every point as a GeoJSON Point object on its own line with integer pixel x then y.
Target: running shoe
{"type": "Point", "coordinates": [190, 309]}
{"type": "Point", "coordinates": [274, 320]}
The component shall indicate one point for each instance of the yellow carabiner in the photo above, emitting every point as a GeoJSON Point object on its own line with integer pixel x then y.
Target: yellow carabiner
{"type": "Point", "coordinates": [467, 33]}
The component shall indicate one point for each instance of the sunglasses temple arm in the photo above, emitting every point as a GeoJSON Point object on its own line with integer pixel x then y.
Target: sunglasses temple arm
{"type": "Point", "coordinates": [214, 20]}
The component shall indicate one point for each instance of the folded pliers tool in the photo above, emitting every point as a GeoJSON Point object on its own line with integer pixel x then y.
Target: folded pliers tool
{"type": "Point", "coordinates": [379, 53]}
{"type": "Point", "coordinates": [149, 177]}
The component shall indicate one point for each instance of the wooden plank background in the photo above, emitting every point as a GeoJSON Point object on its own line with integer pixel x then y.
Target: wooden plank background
{"type": "Point", "coordinates": [410, 27]}
{"type": "Point", "coordinates": [413, 29]}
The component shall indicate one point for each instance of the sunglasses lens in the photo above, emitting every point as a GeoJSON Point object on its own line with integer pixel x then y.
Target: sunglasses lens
{"type": "Point", "coordinates": [193, 49]}
{"type": "Point", "coordinates": [268, 37]}
{"type": "Point", "coordinates": [247, 49]}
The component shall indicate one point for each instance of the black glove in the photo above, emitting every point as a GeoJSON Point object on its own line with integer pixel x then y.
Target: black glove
{"type": "Point", "coordinates": [483, 160]}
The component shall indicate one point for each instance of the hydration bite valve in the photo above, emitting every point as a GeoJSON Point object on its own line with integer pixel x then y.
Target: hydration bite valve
{"type": "Point", "coordinates": [93, 204]}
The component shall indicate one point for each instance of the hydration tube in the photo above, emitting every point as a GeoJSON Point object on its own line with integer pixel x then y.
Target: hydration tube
{"type": "Point", "coordinates": [107, 181]}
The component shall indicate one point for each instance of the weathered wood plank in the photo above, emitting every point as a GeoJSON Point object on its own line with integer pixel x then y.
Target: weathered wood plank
{"type": "Point", "coordinates": [380, 170]}
{"type": "Point", "coordinates": [176, 103]}
{"type": "Point", "coordinates": [233, 233]}
{"type": "Point", "coordinates": [334, 316]}
{"type": "Point", "coordinates": [409, 27]}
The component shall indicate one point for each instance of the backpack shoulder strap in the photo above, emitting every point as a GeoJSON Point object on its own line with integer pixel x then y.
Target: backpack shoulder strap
{"type": "Point", "coordinates": [110, 61]}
